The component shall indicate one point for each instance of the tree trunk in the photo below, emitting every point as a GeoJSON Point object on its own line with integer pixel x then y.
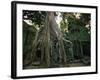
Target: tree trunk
{"type": "Point", "coordinates": [46, 37]}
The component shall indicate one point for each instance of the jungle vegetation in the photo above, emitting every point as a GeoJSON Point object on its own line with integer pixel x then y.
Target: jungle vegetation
{"type": "Point", "coordinates": [48, 43]}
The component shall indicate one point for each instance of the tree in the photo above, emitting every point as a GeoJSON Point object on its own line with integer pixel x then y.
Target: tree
{"type": "Point", "coordinates": [49, 39]}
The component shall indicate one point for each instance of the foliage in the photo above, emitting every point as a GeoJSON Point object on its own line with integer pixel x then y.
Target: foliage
{"type": "Point", "coordinates": [37, 17]}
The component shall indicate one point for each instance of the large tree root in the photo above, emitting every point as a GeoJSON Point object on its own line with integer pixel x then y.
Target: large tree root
{"type": "Point", "coordinates": [47, 40]}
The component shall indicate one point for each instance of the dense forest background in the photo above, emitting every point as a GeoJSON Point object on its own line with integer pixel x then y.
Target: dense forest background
{"type": "Point", "coordinates": [56, 39]}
